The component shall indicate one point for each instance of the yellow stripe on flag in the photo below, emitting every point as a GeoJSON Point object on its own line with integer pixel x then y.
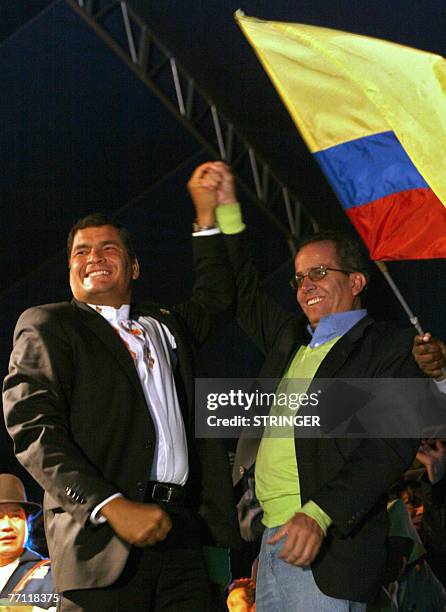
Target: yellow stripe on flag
{"type": "Point", "coordinates": [339, 86]}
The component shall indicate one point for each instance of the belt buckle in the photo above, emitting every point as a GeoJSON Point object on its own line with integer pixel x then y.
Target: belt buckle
{"type": "Point", "coordinates": [157, 492]}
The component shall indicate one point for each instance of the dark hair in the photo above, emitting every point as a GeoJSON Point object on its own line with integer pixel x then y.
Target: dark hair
{"type": "Point", "coordinates": [98, 220]}
{"type": "Point", "coordinates": [351, 253]}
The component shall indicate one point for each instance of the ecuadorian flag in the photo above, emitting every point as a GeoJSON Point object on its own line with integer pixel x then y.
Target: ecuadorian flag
{"type": "Point", "coordinates": [373, 113]}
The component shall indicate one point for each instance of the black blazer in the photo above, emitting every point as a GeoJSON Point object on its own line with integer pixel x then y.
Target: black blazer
{"type": "Point", "coordinates": [76, 411]}
{"type": "Point", "coordinates": [348, 478]}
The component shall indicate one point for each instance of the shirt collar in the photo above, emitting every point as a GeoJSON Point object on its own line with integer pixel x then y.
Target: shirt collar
{"type": "Point", "coordinates": [334, 325]}
{"type": "Point", "coordinates": [114, 316]}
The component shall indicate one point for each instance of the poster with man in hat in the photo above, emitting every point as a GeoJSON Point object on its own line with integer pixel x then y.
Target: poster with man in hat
{"type": "Point", "coordinates": [25, 576]}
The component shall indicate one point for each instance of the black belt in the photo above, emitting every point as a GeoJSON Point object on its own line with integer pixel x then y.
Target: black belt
{"type": "Point", "coordinates": [166, 492]}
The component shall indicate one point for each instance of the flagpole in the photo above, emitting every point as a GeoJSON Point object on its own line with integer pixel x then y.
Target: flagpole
{"type": "Point", "coordinates": [413, 319]}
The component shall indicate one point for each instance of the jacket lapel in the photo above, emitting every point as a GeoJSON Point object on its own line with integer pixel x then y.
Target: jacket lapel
{"type": "Point", "coordinates": [290, 340]}
{"type": "Point", "coordinates": [110, 338]}
{"type": "Point", "coordinates": [181, 358]}
{"type": "Point", "coordinates": [162, 315]}
{"type": "Point", "coordinates": [339, 354]}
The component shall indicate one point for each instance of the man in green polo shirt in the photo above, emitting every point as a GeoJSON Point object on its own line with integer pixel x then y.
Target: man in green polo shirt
{"type": "Point", "coordinates": [324, 500]}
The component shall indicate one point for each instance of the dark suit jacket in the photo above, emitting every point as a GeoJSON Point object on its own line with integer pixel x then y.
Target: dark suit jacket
{"type": "Point", "coordinates": [76, 411]}
{"type": "Point", "coordinates": [348, 478]}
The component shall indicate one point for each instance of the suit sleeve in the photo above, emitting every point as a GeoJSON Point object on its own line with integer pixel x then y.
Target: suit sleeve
{"type": "Point", "coordinates": [365, 478]}
{"type": "Point", "coordinates": [212, 300]}
{"type": "Point", "coordinates": [36, 400]}
{"type": "Point", "coordinates": [257, 314]}
{"type": "Point", "coordinates": [372, 465]}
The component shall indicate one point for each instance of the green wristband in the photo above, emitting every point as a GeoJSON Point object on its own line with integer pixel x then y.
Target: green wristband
{"type": "Point", "coordinates": [229, 218]}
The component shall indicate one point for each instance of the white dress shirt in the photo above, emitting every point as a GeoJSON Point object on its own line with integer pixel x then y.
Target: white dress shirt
{"type": "Point", "coordinates": [148, 342]}
{"type": "Point", "coordinates": [6, 571]}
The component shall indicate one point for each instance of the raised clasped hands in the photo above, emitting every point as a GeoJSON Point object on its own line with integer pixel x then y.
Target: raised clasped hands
{"type": "Point", "coordinates": [211, 185]}
{"type": "Point", "coordinates": [302, 540]}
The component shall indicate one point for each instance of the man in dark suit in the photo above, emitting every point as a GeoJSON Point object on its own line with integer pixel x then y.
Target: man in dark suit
{"type": "Point", "coordinates": [99, 403]}
{"type": "Point", "coordinates": [324, 499]}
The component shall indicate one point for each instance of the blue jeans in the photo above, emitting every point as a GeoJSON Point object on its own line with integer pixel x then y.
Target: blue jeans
{"type": "Point", "coordinates": [282, 587]}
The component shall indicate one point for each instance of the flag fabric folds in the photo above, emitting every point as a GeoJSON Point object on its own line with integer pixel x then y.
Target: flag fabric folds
{"type": "Point", "coordinates": [373, 113]}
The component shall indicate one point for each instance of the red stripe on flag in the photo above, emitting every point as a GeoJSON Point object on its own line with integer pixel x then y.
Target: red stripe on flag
{"type": "Point", "coordinates": [406, 225]}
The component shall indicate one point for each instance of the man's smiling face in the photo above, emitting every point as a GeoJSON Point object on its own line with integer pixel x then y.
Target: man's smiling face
{"type": "Point", "coordinates": [336, 292]}
{"type": "Point", "coordinates": [100, 268]}
{"type": "Point", "coordinates": [13, 532]}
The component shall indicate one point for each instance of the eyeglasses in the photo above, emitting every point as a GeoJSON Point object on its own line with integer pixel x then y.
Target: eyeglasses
{"type": "Point", "coordinates": [314, 274]}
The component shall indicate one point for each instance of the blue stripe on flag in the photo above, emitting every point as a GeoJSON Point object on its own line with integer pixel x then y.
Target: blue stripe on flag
{"type": "Point", "coordinates": [367, 169]}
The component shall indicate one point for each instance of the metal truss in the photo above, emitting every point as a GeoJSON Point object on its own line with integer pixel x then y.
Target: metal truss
{"type": "Point", "coordinates": [133, 40]}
